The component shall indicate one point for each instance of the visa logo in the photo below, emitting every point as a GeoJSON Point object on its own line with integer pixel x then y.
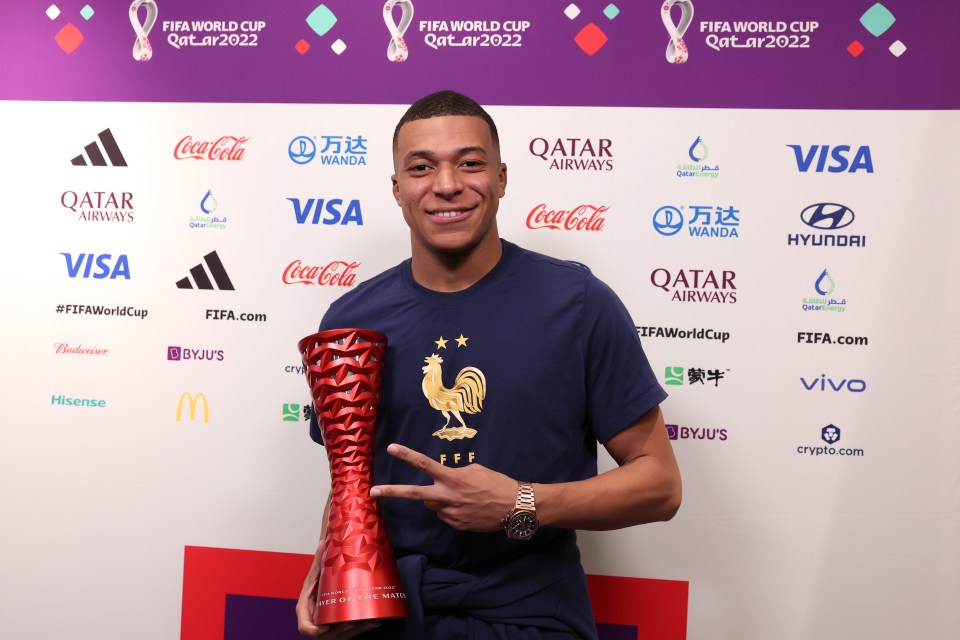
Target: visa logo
{"type": "Point", "coordinates": [83, 266]}
{"type": "Point", "coordinates": [331, 212]}
{"type": "Point", "coordinates": [837, 155]}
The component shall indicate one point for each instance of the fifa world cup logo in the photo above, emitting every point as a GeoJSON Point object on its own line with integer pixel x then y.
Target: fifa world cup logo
{"type": "Point", "coordinates": [359, 578]}
{"type": "Point", "coordinates": [397, 49]}
{"type": "Point", "coordinates": [676, 48]}
{"type": "Point", "coordinates": [142, 49]}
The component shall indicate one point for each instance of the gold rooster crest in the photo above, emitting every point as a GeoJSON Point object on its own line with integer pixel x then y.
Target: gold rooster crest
{"type": "Point", "coordinates": [466, 396]}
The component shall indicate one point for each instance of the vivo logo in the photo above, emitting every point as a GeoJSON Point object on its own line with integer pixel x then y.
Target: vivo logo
{"type": "Point", "coordinates": [823, 383]}
{"type": "Point", "coordinates": [838, 155]}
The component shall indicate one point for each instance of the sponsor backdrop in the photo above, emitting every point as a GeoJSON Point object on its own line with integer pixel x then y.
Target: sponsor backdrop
{"type": "Point", "coordinates": [767, 185]}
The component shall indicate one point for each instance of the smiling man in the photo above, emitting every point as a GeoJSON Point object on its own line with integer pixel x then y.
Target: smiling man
{"type": "Point", "coordinates": [504, 370]}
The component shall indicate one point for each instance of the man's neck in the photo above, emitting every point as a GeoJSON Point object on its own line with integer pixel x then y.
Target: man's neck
{"type": "Point", "coordinates": [451, 272]}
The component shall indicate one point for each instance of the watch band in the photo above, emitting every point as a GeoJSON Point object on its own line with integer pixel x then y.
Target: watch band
{"type": "Point", "coordinates": [525, 496]}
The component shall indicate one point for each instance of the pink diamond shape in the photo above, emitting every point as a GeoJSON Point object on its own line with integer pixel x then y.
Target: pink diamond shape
{"type": "Point", "coordinates": [69, 38]}
{"type": "Point", "coordinates": [855, 48]}
{"type": "Point", "coordinates": [591, 39]}
{"type": "Point", "coordinates": [302, 47]}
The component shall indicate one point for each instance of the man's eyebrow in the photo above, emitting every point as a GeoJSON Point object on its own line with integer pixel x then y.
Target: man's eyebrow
{"type": "Point", "coordinates": [430, 155]}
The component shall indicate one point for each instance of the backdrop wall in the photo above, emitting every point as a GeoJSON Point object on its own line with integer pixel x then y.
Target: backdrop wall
{"type": "Point", "coordinates": [776, 212]}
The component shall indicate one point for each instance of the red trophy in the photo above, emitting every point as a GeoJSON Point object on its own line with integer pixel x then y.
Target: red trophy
{"type": "Point", "coordinates": [359, 578]}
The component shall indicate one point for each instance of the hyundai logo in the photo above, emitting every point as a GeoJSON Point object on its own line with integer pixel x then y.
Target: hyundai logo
{"type": "Point", "coordinates": [827, 215]}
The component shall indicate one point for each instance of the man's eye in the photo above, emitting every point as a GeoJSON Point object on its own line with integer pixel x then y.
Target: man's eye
{"type": "Point", "coordinates": [418, 168]}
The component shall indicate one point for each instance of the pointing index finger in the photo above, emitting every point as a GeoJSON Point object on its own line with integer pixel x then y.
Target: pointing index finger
{"type": "Point", "coordinates": [417, 460]}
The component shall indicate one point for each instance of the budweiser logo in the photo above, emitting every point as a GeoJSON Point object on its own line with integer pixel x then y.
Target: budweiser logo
{"type": "Point", "coordinates": [223, 148]}
{"type": "Point", "coordinates": [336, 274]}
{"type": "Point", "coordinates": [584, 217]}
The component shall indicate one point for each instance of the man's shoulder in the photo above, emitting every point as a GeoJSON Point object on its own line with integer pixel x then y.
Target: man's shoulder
{"type": "Point", "coordinates": [550, 266]}
{"type": "Point", "coordinates": [376, 291]}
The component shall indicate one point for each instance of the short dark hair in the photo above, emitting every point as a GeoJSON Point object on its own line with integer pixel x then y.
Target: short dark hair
{"type": "Point", "coordinates": [446, 103]}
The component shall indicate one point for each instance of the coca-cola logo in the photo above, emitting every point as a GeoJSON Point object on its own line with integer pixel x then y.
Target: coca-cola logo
{"type": "Point", "coordinates": [583, 217]}
{"type": "Point", "coordinates": [223, 148]}
{"type": "Point", "coordinates": [337, 273]}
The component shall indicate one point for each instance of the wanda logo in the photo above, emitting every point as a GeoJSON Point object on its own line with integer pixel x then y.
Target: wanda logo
{"type": "Point", "coordinates": [335, 274]}
{"type": "Point", "coordinates": [223, 148]}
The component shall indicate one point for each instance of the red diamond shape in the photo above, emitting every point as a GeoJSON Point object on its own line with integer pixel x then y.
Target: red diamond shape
{"type": "Point", "coordinates": [855, 48]}
{"type": "Point", "coordinates": [302, 47]}
{"type": "Point", "coordinates": [69, 38]}
{"type": "Point", "coordinates": [591, 39]}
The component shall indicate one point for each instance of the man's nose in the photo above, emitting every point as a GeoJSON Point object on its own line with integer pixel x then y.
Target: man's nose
{"type": "Point", "coordinates": [447, 181]}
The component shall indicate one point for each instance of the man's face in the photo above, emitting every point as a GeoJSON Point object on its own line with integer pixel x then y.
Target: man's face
{"type": "Point", "coordinates": [448, 182]}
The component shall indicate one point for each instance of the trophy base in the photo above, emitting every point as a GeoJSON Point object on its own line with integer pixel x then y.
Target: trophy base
{"type": "Point", "coordinates": [347, 598]}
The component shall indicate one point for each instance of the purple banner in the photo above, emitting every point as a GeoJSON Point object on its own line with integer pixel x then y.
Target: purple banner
{"type": "Point", "coordinates": [823, 54]}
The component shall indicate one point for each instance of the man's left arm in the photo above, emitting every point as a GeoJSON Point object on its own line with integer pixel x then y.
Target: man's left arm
{"type": "Point", "coordinates": [645, 487]}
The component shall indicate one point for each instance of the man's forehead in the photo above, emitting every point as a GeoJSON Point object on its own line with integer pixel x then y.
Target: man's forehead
{"type": "Point", "coordinates": [444, 132]}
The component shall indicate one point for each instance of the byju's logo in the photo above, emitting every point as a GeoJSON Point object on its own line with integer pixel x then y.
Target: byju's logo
{"type": "Point", "coordinates": [193, 401]}
{"type": "Point", "coordinates": [333, 150]}
{"type": "Point", "coordinates": [823, 383]}
{"type": "Point", "coordinates": [574, 154]}
{"type": "Point", "coordinates": [678, 432]}
{"type": "Point", "coordinates": [696, 285]}
{"type": "Point", "coordinates": [96, 156]}
{"type": "Point", "coordinates": [675, 376]}
{"type": "Point", "coordinates": [838, 157]}
{"type": "Point", "coordinates": [82, 266]}
{"type": "Point", "coordinates": [668, 221]}
{"type": "Point", "coordinates": [824, 286]}
{"type": "Point", "coordinates": [827, 216]}
{"type": "Point", "coordinates": [199, 275]}
{"type": "Point", "coordinates": [320, 211]}
{"type": "Point", "coordinates": [180, 354]}
{"type": "Point", "coordinates": [99, 206]}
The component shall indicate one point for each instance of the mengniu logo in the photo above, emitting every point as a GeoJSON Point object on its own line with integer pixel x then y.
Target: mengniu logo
{"type": "Point", "coordinates": [99, 206]}
{"type": "Point", "coordinates": [223, 148]}
{"type": "Point", "coordinates": [696, 285]}
{"type": "Point", "coordinates": [839, 159]}
{"type": "Point", "coordinates": [192, 401]}
{"type": "Point", "coordinates": [337, 273]}
{"type": "Point", "coordinates": [574, 154]}
{"type": "Point", "coordinates": [824, 383]}
{"type": "Point", "coordinates": [94, 153]}
{"type": "Point", "coordinates": [678, 432]}
{"type": "Point", "coordinates": [675, 376]}
{"type": "Point", "coordinates": [583, 217]}
{"type": "Point", "coordinates": [294, 412]}
{"type": "Point", "coordinates": [830, 435]}
{"type": "Point", "coordinates": [202, 280]}
{"type": "Point", "coordinates": [329, 212]}
{"type": "Point", "coordinates": [333, 150]}
{"type": "Point", "coordinates": [724, 222]}
{"type": "Point", "coordinates": [66, 401]}
{"type": "Point", "coordinates": [97, 265]}
{"type": "Point", "coordinates": [827, 216]}
{"type": "Point", "coordinates": [182, 354]}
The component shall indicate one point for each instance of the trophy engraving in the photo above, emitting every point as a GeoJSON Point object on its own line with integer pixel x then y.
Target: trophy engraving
{"type": "Point", "coordinates": [359, 578]}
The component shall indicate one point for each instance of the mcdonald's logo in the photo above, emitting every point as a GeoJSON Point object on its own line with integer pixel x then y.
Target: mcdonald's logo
{"type": "Point", "coordinates": [193, 400]}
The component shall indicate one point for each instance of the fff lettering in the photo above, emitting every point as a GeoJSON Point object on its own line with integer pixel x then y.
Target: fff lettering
{"type": "Point", "coordinates": [83, 266]}
{"type": "Point", "coordinates": [457, 459]}
{"type": "Point", "coordinates": [837, 155]}
{"type": "Point", "coordinates": [326, 212]}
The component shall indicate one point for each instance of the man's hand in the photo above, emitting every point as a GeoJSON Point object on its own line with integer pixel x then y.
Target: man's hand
{"type": "Point", "coordinates": [340, 631]}
{"type": "Point", "coordinates": [471, 498]}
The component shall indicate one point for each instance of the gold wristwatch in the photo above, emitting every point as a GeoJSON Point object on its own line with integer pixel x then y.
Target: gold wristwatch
{"type": "Point", "coordinates": [521, 523]}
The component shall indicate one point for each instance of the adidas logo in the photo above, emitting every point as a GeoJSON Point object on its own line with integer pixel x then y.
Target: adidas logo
{"type": "Point", "coordinates": [199, 275]}
{"type": "Point", "coordinates": [96, 157]}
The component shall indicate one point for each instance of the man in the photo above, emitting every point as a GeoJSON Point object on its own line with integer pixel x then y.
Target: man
{"type": "Point", "coordinates": [482, 482]}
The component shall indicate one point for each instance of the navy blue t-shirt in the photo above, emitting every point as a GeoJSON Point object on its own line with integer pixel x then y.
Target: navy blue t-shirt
{"type": "Point", "coordinates": [533, 365]}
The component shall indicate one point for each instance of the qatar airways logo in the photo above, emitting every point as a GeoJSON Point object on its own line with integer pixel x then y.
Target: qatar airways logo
{"type": "Point", "coordinates": [337, 273]}
{"type": "Point", "coordinates": [583, 217]}
{"type": "Point", "coordinates": [574, 154]}
{"type": "Point", "coordinates": [223, 148]}
{"type": "Point", "coordinates": [696, 285]}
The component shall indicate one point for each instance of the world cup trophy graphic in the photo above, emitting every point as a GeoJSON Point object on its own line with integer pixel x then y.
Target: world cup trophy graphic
{"type": "Point", "coordinates": [359, 578]}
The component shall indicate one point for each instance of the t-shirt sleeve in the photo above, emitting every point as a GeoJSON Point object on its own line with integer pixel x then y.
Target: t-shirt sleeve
{"type": "Point", "coordinates": [621, 386]}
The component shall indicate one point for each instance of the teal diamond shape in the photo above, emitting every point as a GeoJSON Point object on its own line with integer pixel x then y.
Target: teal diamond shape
{"type": "Point", "coordinates": [611, 11]}
{"type": "Point", "coordinates": [877, 19]}
{"type": "Point", "coordinates": [321, 20]}
{"type": "Point", "coordinates": [86, 12]}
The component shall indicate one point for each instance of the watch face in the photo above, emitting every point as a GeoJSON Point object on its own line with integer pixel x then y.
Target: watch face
{"type": "Point", "coordinates": [522, 525]}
